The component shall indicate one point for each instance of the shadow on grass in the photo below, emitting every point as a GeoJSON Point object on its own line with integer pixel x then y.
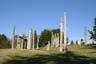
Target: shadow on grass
{"type": "Point", "coordinates": [89, 46]}
{"type": "Point", "coordinates": [93, 46]}
{"type": "Point", "coordinates": [68, 58]}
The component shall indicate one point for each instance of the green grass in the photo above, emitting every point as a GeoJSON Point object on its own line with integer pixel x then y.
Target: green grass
{"type": "Point", "coordinates": [76, 55]}
{"type": "Point", "coordinates": [88, 50]}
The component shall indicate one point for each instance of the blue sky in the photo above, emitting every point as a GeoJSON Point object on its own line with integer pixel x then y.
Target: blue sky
{"type": "Point", "coordinates": [45, 14]}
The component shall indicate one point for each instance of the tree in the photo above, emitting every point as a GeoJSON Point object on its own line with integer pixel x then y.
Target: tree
{"type": "Point", "coordinates": [82, 42]}
{"type": "Point", "coordinates": [55, 30]}
{"type": "Point", "coordinates": [67, 40]}
{"type": "Point", "coordinates": [93, 33]}
{"type": "Point", "coordinates": [76, 42]}
{"type": "Point", "coordinates": [35, 39]}
{"type": "Point", "coordinates": [72, 42]}
{"type": "Point", "coordinates": [4, 41]}
{"type": "Point", "coordinates": [45, 37]}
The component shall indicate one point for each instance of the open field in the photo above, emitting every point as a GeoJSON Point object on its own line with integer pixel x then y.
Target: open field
{"type": "Point", "coordinates": [76, 55]}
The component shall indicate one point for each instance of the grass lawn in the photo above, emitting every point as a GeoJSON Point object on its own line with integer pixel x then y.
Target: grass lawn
{"type": "Point", "coordinates": [76, 55]}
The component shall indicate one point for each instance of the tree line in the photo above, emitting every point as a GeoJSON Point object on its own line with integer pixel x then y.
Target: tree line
{"type": "Point", "coordinates": [44, 37]}
{"type": "Point", "coordinates": [4, 41]}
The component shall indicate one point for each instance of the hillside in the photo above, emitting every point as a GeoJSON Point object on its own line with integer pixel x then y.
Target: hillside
{"type": "Point", "coordinates": [76, 55]}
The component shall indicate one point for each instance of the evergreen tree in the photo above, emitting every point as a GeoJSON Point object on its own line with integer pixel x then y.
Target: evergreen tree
{"type": "Point", "coordinates": [56, 30]}
{"type": "Point", "coordinates": [67, 40]}
{"type": "Point", "coordinates": [4, 41]}
{"type": "Point", "coordinates": [94, 27]}
{"type": "Point", "coordinates": [76, 42]}
{"type": "Point", "coordinates": [35, 39]}
{"type": "Point", "coordinates": [72, 42]}
{"type": "Point", "coordinates": [82, 42]}
{"type": "Point", "coordinates": [93, 33]}
{"type": "Point", "coordinates": [45, 37]}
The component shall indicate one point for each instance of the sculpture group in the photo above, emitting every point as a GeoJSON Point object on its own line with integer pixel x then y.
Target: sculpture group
{"type": "Point", "coordinates": [57, 40]}
{"type": "Point", "coordinates": [23, 41]}
{"type": "Point", "coordinates": [60, 40]}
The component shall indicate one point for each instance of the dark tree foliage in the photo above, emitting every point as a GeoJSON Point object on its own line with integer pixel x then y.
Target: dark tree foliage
{"type": "Point", "coordinates": [35, 38]}
{"type": "Point", "coordinates": [93, 33]}
{"type": "Point", "coordinates": [45, 37]}
{"type": "Point", "coordinates": [67, 40]}
{"type": "Point", "coordinates": [82, 42]}
{"type": "Point", "coordinates": [4, 42]}
{"type": "Point", "coordinates": [72, 42]}
{"type": "Point", "coordinates": [76, 42]}
{"type": "Point", "coordinates": [55, 30]}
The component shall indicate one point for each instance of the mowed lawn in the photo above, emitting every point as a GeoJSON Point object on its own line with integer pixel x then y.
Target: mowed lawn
{"type": "Point", "coordinates": [76, 55]}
